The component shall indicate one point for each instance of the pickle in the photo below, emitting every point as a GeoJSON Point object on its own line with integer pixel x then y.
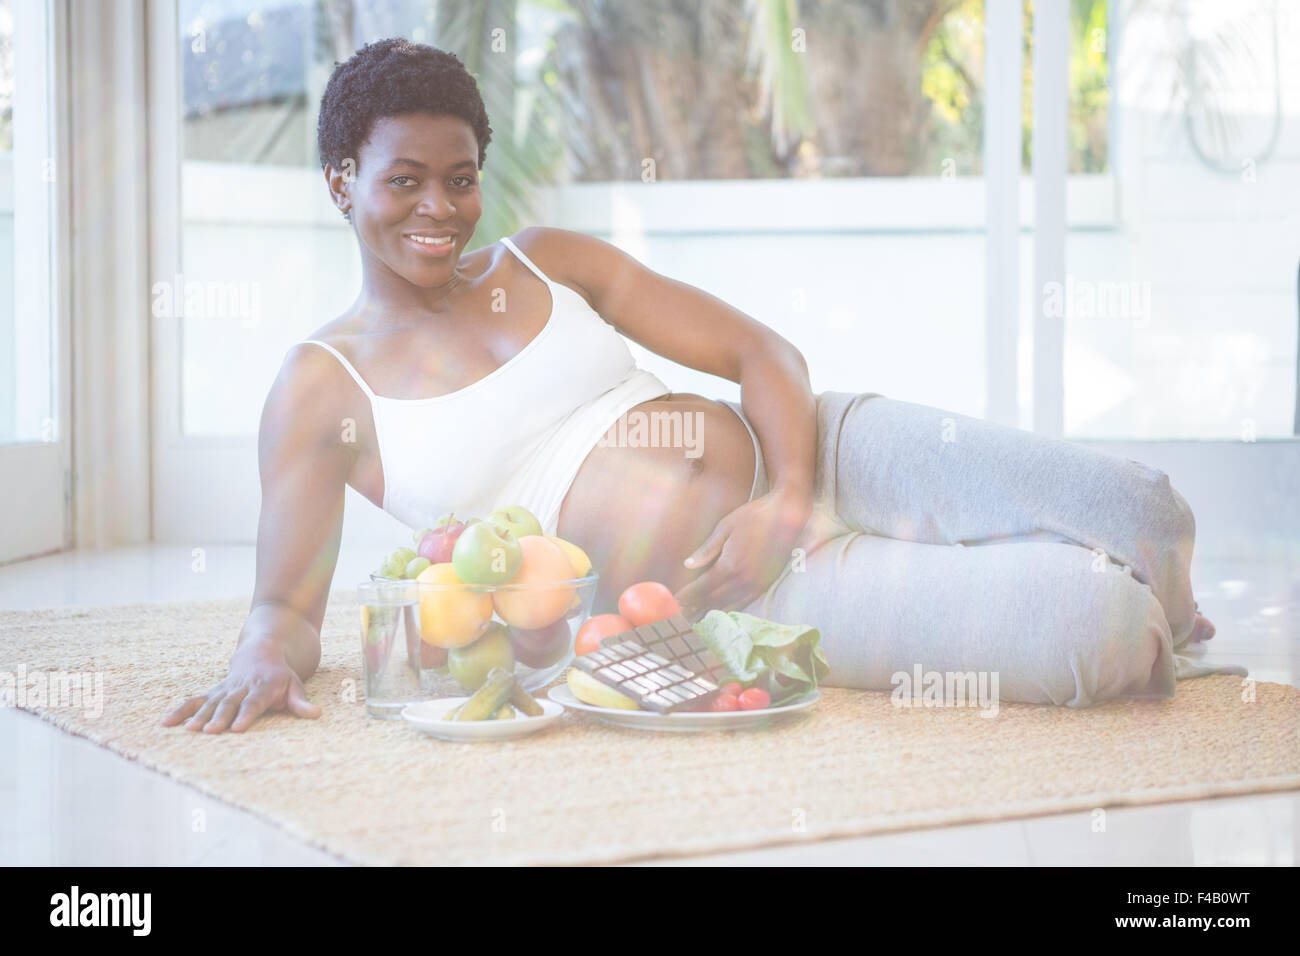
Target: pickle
{"type": "Point", "coordinates": [488, 699]}
{"type": "Point", "coordinates": [505, 713]}
{"type": "Point", "coordinates": [524, 701]}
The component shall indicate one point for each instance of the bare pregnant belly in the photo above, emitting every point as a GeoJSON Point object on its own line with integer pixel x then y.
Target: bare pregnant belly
{"type": "Point", "coordinates": [645, 500]}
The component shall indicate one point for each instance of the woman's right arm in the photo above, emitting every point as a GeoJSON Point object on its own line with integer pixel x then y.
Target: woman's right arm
{"type": "Point", "coordinates": [304, 464]}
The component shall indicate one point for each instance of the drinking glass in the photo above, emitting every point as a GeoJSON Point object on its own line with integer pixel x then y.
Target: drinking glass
{"type": "Point", "coordinates": [390, 646]}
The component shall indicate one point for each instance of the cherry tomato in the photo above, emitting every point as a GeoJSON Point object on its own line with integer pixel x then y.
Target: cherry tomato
{"type": "Point", "coordinates": [731, 687]}
{"type": "Point", "coordinates": [596, 629]}
{"type": "Point", "coordinates": [647, 602]}
{"type": "Point", "coordinates": [755, 699]}
{"type": "Point", "coordinates": [725, 702]}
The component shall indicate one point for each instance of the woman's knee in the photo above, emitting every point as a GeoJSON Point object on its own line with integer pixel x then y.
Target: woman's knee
{"type": "Point", "coordinates": [1122, 646]}
{"type": "Point", "coordinates": [1168, 519]}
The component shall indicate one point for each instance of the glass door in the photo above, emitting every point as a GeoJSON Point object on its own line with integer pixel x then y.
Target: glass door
{"type": "Point", "coordinates": [33, 352]}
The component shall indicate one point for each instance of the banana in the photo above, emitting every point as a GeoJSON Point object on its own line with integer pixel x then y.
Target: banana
{"type": "Point", "coordinates": [591, 691]}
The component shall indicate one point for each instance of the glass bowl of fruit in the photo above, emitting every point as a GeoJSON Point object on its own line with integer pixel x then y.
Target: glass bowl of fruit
{"type": "Point", "coordinates": [492, 593]}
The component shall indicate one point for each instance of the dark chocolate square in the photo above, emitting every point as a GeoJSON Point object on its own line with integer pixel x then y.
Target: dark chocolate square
{"type": "Point", "coordinates": [677, 646]}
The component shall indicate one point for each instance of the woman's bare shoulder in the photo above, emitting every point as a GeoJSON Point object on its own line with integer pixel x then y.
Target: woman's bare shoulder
{"type": "Point", "coordinates": [571, 258]}
{"type": "Point", "coordinates": [312, 391]}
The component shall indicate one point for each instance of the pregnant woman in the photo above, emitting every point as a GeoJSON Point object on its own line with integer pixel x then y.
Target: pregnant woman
{"type": "Point", "coordinates": [466, 381]}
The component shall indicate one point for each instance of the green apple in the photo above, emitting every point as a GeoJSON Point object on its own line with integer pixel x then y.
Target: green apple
{"type": "Point", "coordinates": [470, 664]}
{"type": "Point", "coordinates": [486, 554]}
{"type": "Point", "coordinates": [519, 521]}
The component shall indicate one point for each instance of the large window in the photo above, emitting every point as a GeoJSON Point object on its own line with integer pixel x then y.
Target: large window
{"type": "Point", "coordinates": [817, 164]}
{"type": "Point", "coordinates": [34, 444]}
{"type": "Point", "coordinates": [27, 383]}
{"type": "Point", "coordinates": [1181, 320]}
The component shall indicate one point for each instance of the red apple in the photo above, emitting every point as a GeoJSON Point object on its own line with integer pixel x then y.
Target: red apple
{"type": "Point", "coordinates": [432, 657]}
{"type": "Point", "coordinates": [541, 647]}
{"type": "Point", "coordinates": [437, 545]}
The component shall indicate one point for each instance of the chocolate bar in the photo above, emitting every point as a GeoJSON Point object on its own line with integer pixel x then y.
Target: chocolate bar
{"type": "Point", "coordinates": [664, 666]}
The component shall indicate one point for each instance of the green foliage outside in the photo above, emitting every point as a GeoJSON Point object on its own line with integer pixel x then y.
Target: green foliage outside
{"type": "Point", "coordinates": [953, 82]}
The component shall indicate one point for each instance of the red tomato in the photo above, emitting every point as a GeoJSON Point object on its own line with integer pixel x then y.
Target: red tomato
{"type": "Point", "coordinates": [725, 702]}
{"type": "Point", "coordinates": [596, 629]}
{"type": "Point", "coordinates": [755, 699]}
{"type": "Point", "coordinates": [731, 687]}
{"type": "Point", "coordinates": [647, 602]}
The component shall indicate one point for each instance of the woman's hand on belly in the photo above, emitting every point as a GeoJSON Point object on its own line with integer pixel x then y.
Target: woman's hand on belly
{"type": "Point", "coordinates": [638, 512]}
{"type": "Point", "coordinates": [745, 553]}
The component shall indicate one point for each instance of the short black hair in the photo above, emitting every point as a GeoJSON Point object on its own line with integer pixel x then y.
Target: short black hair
{"type": "Point", "coordinates": [388, 78]}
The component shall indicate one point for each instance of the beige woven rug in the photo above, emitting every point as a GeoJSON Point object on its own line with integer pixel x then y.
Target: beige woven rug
{"type": "Point", "coordinates": [377, 792]}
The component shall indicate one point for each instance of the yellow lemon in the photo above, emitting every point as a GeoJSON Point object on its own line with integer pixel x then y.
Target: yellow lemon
{"type": "Point", "coordinates": [577, 557]}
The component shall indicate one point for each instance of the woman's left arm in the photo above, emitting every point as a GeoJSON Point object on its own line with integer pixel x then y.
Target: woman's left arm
{"type": "Point", "coordinates": [750, 545]}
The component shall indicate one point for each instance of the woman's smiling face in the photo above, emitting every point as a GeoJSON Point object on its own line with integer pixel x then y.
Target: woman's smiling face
{"type": "Point", "coordinates": [415, 200]}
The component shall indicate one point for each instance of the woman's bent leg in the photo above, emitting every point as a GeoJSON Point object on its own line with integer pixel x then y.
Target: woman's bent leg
{"type": "Point", "coordinates": [1042, 617]}
{"type": "Point", "coordinates": [916, 473]}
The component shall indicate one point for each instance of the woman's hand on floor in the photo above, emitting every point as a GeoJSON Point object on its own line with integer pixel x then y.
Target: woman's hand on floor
{"type": "Point", "coordinates": [260, 680]}
{"type": "Point", "coordinates": [746, 552]}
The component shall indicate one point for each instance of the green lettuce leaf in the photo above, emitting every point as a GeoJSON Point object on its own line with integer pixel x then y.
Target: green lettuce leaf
{"type": "Point", "coordinates": [786, 659]}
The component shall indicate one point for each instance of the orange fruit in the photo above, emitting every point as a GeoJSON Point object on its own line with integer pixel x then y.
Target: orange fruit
{"type": "Point", "coordinates": [535, 607]}
{"type": "Point", "coordinates": [451, 615]}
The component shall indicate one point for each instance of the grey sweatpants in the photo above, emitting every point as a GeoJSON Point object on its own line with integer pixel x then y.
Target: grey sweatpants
{"type": "Point", "coordinates": [954, 545]}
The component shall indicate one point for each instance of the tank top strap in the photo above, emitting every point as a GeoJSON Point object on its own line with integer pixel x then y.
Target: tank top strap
{"type": "Point", "coordinates": [509, 244]}
{"type": "Point", "coordinates": [345, 363]}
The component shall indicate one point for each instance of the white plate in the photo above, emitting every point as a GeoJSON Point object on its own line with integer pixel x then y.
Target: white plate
{"type": "Point", "coordinates": [687, 721]}
{"type": "Point", "coordinates": [426, 716]}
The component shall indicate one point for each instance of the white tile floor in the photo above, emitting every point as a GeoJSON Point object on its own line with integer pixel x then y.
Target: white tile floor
{"type": "Point", "coordinates": [66, 801]}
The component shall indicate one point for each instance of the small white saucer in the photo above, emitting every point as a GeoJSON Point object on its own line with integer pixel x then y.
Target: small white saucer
{"type": "Point", "coordinates": [426, 716]}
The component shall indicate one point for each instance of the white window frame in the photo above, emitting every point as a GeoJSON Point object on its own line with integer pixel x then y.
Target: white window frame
{"type": "Point", "coordinates": [186, 467]}
{"type": "Point", "coordinates": [183, 467]}
{"type": "Point", "coordinates": [35, 474]}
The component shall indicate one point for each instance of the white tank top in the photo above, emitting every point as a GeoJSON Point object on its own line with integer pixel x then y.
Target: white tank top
{"type": "Point", "coordinates": [518, 435]}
